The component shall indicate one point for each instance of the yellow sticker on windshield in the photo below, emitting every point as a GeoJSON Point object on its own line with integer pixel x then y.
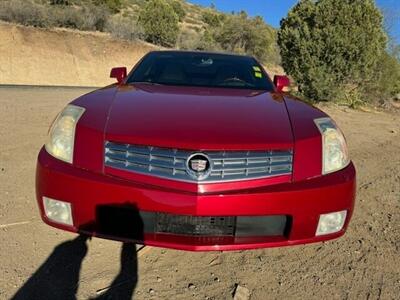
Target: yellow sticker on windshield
{"type": "Point", "coordinates": [257, 68]}
{"type": "Point", "coordinates": [258, 74]}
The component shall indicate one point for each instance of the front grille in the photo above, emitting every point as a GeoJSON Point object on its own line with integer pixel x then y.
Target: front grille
{"type": "Point", "coordinates": [172, 163]}
{"type": "Point", "coordinates": [191, 225]}
{"type": "Point", "coordinates": [125, 221]}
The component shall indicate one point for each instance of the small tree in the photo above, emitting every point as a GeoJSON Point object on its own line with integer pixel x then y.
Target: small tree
{"type": "Point", "coordinates": [178, 9]}
{"type": "Point", "coordinates": [160, 23]}
{"type": "Point", "coordinates": [239, 33]}
{"type": "Point", "coordinates": [331, 47]}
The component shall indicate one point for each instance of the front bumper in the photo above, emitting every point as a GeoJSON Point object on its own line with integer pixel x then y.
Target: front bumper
{"type": "Point", "coordinates": [301, 203]}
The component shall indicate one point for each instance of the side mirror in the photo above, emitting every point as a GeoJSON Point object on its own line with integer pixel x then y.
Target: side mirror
{"type": "Point", "coordinates": [119, 73]}
{"type": "Point", "coordinates": [281, 82]}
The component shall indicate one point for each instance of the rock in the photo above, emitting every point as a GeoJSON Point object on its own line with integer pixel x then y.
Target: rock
{"type": "Point", "coordinates": [159, 279]}
{"type": "Point", "coordinates": [151, 291]}
{"type": "Point", "coordinates": [191, 286]}
{"type": "Point", "coordinates": [241, 293]}
{"type": "Point", "coordinates": [215, 261]}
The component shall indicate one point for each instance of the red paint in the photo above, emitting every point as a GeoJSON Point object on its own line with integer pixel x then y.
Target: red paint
{"type": "Point", "coordinates": [118, 73]}
{"type": "Point", "coordinates": [308, 145]}
{"type": "Point", "coordinates": [304, 201]}
{"type": "Point", "coordinates": [281, 82]}
{"type": "Point", "coordinates": [198, 118]}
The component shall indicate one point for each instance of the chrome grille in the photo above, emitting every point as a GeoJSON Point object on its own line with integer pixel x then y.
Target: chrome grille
{"type": "Point", "coordinates": [171, 163]}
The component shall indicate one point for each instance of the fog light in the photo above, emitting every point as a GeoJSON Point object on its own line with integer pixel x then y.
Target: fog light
{"type": "Point", "coordinates": [58, 211]}
{"type": "Point", "coordinates": [331, 223]}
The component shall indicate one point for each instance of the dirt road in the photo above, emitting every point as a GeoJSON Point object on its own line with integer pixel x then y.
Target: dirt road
{"type": "Point", "coordinates": [37, 260]}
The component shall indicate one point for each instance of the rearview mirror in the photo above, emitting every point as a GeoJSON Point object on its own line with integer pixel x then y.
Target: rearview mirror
{"type": "Point", "coordinates": [118, 73]}
{"type": "Point", "coordinates": [281, 82]}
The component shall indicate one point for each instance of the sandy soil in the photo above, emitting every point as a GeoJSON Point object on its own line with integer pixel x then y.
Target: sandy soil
{"type": "Point", "coordinates": [37, 260]}
{"type": "Point", "coordinates": [63, 57]}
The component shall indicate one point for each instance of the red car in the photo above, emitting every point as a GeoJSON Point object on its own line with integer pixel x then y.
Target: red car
{"type": "Point", "coordinates": [196, 151]}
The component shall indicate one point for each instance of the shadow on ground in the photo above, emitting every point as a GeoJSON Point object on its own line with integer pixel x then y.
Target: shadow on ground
{"type": "Point", "coordinates": [58, 277]}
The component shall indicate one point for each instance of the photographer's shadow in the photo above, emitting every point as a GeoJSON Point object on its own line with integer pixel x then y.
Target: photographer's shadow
{"type": "Point", "coordinates": [58, 277]}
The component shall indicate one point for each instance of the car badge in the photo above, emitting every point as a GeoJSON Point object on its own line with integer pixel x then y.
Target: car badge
{"type": "Point", "coordinates": [198, 166]}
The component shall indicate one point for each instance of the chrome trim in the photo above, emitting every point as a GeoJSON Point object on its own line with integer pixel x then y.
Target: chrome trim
{"type": "Point", "coordinates": [199, 176]}
{"type": "Point", "coordinates": [225, 166]}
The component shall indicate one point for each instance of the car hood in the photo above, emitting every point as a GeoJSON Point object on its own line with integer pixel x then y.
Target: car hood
{"type": "Point", "coordinates": [199, 118]}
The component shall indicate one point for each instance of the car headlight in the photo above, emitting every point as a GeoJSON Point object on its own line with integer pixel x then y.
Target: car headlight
{"type": "Point", "coordinates": [60, 143]}
{"type": "Point", "coordinates": [334, 149]}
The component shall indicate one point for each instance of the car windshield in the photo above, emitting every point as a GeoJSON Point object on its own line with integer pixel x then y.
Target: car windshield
{"type": "Point", "coordinates": [201, 69]}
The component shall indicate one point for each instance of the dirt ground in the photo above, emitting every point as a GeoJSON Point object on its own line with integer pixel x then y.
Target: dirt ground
{"type": "Point", "coordinates": [37, 261]}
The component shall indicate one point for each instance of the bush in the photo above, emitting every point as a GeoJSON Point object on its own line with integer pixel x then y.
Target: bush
{"type": "Point", "coordinates": [239, 33]}
{"type": "Point", "coordinates": [187, 39]}
{"type": "Point", "coordinates": [124, 28]}
{"type": "Point", "coordinates": [386, 81]}
{"type": "Point", "coordinates": [178, 9]}
{"type": "Point", "coordinates": [60, 2]}
{"type": "Point", "coordinates": [96, 17]}
{"type": "Point", "coordinates": [208, 43]}
{"type": "Point", "coordinates": [68, 17]}
{"type": "Point", "coordinates": [331, 47]}
{"type": "Point", "coordinates": [113, 5]}
{"type": "Point", "coordinates": [28, 13]}
{"type": "Point", "coordinates": [24, 12]}
{"type": "Point", "coordinates": [212, 18]}
{"type": "Point", "coordinates": [82, 18]}
{"type": "Point", "coordinates": [191, 40]}
{"type": "Point", "coordinates": [160, 23]}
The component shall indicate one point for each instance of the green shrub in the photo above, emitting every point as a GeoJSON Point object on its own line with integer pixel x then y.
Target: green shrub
{"type": "Point", "coordinates": [160, 23]}
{"type": "Point", "coordinates": [211, 18]}
{"type": "Point", "coordinates": [396, 52]}
{"type": "Point", "coordinates": [331, 47]}
{"type": "Point", "coordinates": [241, 34]}
{"type": "Point", "coordinates": [178, 9]}
{"type": "Point", "coordinates": [386, 81]}
{"type": "Point", "coordinates": [207, 42]}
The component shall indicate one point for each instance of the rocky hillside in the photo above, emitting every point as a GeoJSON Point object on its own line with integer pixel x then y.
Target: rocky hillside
{"type": "Point", "coordinates": [35, 56]}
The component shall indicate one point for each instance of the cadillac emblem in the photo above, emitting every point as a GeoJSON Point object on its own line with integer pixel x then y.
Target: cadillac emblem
{"type": "Point", "coordinates": [198, 166]}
